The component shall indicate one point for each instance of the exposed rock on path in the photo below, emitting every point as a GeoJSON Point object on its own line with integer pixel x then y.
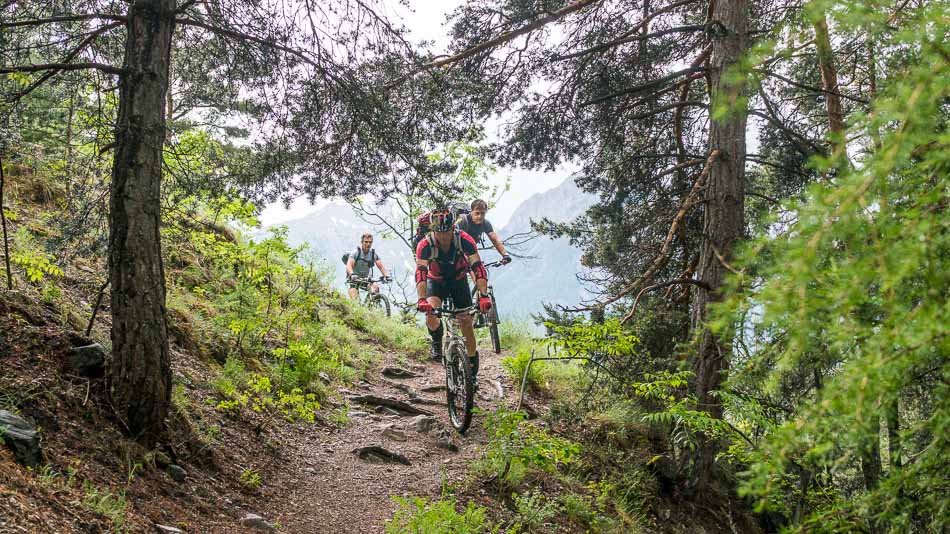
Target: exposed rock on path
{"type": "Point", "coordinates": [394, 404]}
{"type": "Point", "coordinates": [379, 455]}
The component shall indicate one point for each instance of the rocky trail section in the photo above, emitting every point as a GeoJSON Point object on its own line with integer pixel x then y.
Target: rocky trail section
{"type": "Point", "coordinates": [399, 442]}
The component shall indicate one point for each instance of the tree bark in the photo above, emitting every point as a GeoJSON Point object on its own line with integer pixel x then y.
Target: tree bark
{"type": "Point", "coordinates": [3, 221]}
{"type": "Point", "coordinates": [722, 219]}
{"type": "Point", "coordinates": [140, 379]}
{"type": "Point", "coordinates": [871, 468]}
{"type": "Point", "coordinates": [893, 436]}
{"type": "Point", "coordinates": [829, 76]}
{"type": "Point", "coordinates": [829, 82]}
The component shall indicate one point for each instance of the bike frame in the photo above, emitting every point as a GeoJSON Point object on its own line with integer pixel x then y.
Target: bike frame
{"type": "Point", "coordinates": [453, 342]}
{"type": "Point", "coordinates": [364, 285]}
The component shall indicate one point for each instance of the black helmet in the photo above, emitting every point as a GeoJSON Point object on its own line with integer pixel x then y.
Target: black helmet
{"type": "Point", "coordinates": [442, 220]}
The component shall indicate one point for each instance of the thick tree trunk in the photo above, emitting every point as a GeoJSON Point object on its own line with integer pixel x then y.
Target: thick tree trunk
{"type": "Point", "coordinates": [141, 373]}
{"type": "Point", "coordinates": [723, 219]}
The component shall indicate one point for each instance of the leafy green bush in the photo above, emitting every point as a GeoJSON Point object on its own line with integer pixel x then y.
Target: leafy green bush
{"type": "Point", "coordinates": [516, 366]}
{"type": "Point", "coordinates": [420, 516]}
{"type": "Point", "coordinates": [27, 255]}
{"type": "Point", "coordinates": [515, 445]}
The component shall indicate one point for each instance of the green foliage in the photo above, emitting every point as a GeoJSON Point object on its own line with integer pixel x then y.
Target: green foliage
{"type": "Point", "coordinates": [110, 505]}
{"type": "Point", "coordinates": [517, 365]}
{"type": "Point", "coordinates": [533, 511]}
{"type": "Point", "coordinates": [607, 339]}
{"type": "Point", "coordinates": [845, 305]}
{"type": "Point", "coordinates": [250, 479]}
{"type": "Point", "coordinates": [420, 516]}
{"type": "Point", "coordinates": [515, 335]}
{"type": "Point", "coordinates": [35, 264]}
{"type": "Point", "coordinates": [515, 445]}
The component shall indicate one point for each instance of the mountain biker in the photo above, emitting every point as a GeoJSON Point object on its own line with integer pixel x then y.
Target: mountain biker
{"type": "Point", "coordinates": [360, 265]}
{"type": "Point", "coordinates": [475, 224]}
{"type": "Point", "coordinates": [443, 258]}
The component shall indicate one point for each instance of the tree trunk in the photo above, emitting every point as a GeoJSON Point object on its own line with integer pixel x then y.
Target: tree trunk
{"type": "Point", "coordinates": [3, 221]}
{"type": "Point", "coordinates": [893, 436]}
{"type": "Point", "coordinates": [723, 216]}
{"type": "Point", "coordinates": [829, 77]}
{"type": "Point", "coordinates": [832, 94]}
{"type": "Point", "coordinates": [140, 382]}
{"type": "Point", "coordinates": [871, 468]}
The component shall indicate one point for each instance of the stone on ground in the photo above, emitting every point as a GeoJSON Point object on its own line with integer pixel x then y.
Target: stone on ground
{"type": "Point", "coordinates": [378, 455]}
{"type": "Point", "coordinates": [88, 361]}
{"type": "Point", "coordinates": [22, 438]}
{"type": "Point", "coordinates": [396, 372]}
{"type": "Point", "coordinates": [258, 523]}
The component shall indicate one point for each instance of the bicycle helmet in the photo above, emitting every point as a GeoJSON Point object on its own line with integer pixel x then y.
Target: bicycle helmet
{"type": "Point", "coordinates": [442, 220]}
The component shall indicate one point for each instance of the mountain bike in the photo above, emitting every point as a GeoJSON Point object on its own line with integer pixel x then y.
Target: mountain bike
{"type": "Point", "coordinates": [459, 377]}
{"type": "Point", "coordinates": [490, 318]}
{"type": "Point", "coordinates": [372, 299]}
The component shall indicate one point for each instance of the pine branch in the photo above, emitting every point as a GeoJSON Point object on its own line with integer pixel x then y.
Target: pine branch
{"type": "Point", "coordinates": [108, 69]}
{"type": "Point", "coordinates": [632, 39]}
{"type": "Point", "coordinates": [66, 60]}
{"type": "Point", "coordinates": [644, 86]}
{"type": "Point", "coordinates": [63, 18]}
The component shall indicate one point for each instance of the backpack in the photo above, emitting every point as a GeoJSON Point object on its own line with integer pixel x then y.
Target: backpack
{"type": "Point", "coordinates": [346, 255]}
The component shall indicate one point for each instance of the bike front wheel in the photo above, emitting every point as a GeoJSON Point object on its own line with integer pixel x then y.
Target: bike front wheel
{"type": "Point", "coordinates": [380, 302]}
{"type": "Point", "coordinates": [493, 325]}
{"type": "Point", "coordinates": [459, 387]}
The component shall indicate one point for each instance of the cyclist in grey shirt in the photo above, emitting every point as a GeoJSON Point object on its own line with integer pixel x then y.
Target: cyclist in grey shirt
{"type": "Point", "coordinates": [475, 224]}
{"type": "Point", "coordinates": [360, 265]}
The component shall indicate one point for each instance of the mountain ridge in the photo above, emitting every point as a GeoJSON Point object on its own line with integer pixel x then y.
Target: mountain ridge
{"type": "Point", "coordinates": [544, 269]}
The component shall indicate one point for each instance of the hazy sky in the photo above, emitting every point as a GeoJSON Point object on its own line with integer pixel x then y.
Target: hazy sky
{"type": "Point", "coordinates": [426, 22]}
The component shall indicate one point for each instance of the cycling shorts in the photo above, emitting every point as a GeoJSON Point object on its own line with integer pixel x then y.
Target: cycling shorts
{"type": "Point", "coordinates": [456, 289]}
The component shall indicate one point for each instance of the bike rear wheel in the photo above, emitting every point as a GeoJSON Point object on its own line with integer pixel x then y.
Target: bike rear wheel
{"type": "Point", "coordinates": [459, 386]}
{"type": "Point", "coordinates": [493, 325]}
{"type": "Point", "coordinates": [380, 302]}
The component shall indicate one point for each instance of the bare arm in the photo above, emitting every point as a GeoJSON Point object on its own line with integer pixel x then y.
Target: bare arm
{"type": "Point", "coordinates": [499, 246]}
{"type": "Point", "coordinates": [420, 280]}
{"type": "Point", "coordinates": [349, 265]}
{"type": "Point", "coordinates": [382, 269]}
{"type": "Point", "coordinates": [481, 275]}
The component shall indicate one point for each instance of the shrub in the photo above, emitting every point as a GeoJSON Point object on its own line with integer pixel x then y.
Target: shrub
{"type": "Point", "coordinates": [515, 446]}
{"type": "Point", "coordinates": [516, 366]}
{"type": "Point", "coordinates": [419, 516]}
{"type": "Point", "coordinates": [107, 504]}
{"type": "Point", "coordinates": [250, 479]}
{"type": "Point", "coordinates": [533, 511]}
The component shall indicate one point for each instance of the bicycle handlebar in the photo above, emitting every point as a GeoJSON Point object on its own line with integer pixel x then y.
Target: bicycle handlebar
{"type": "Point", "coordinates": [361, 280]}
{"type": "Point", "coordinates": [452, 312]}
{"type": "Point", "coordinates": [494, 264]}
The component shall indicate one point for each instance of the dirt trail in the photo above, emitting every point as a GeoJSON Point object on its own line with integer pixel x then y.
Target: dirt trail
{"type": "Point", "coordinates": [328, 489]}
